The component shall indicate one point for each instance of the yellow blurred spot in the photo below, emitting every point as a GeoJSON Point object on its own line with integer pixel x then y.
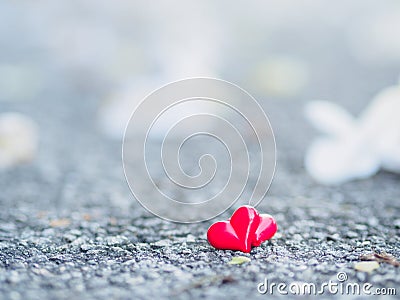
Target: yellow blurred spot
{"type": "Point", "coordinates": [63, 222]}
{"type": "Point", "coordinates": [366, 266]}
{"type": "Point", "coordinates": [238, 260]}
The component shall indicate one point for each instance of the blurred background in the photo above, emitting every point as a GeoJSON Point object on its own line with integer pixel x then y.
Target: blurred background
{"type": "Point", "coordinates": [76, 69]}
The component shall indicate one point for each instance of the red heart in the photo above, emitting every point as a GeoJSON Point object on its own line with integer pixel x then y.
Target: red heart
{"type": "Point", "coordinates": [266, 230]}
{"type": "Point", "coordinates": [237, 233]}
{"type": "Point", "coordinates": [246, 228]}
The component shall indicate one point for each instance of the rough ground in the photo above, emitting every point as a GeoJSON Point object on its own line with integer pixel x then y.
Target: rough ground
{"type": "Point", "coordinates": [69, 227]}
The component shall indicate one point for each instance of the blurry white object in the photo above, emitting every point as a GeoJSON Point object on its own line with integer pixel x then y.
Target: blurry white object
{"type": "Point", "coordinates": [281, 76]}
{"type": "Point", "coordinates": [355, 148]}
{"type": "Point", "coordinates": [116, 111]}
{"type": "Point", "coordinates": [18, 139]}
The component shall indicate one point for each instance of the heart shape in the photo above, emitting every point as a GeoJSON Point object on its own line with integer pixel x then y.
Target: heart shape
{"type": "Point", "coordinates": [265, 231]}
{"type": "Point", "coordinates": [245, 229]}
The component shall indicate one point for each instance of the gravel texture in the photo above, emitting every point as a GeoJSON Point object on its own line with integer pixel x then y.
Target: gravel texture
{"type": "Point", "coordinates": [69, 228]}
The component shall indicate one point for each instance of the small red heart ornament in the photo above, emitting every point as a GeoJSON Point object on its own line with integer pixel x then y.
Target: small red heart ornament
{"type": "Point", "coordinates": [245, 229]}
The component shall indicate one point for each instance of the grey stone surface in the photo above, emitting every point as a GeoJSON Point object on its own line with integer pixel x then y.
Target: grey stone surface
{"type": "Point", "coordinates": [70, 228]}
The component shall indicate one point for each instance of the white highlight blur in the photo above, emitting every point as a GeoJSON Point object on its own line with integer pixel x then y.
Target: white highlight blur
{"type": "Point", "coordinates": [355, 148]}
{"type": "Point", "coordinates": [18, 139]}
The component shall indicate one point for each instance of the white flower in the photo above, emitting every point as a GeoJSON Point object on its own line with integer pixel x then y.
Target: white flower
{"type": "Point", "coordinates": [18, 139]}
{"type": "Point", "coordinates": [355, 148]}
